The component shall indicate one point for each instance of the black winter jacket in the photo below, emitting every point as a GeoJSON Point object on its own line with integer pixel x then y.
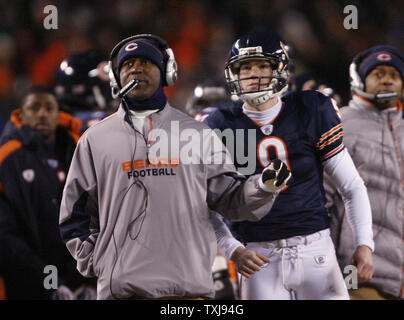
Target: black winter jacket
{"type": "Point", "coordinates": [31, 186]}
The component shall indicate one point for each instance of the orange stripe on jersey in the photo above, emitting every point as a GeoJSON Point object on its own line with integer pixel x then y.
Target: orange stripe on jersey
{"type": "Point", "coordinates": [259, 124]}
{"type": "Point", "coordinates": [8, 148]}
{"type": "Point", "coordinates": [329, 154]}
{"type": "Point", "coordinates": [339, 135]}
{"type": "Point", "coordinates": [328, 133]}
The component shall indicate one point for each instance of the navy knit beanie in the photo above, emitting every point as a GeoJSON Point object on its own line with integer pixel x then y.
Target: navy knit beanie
{"type": "Point", "coordinates": [381, 55]}
{"type": "Point", "coordinates": [143, 48]}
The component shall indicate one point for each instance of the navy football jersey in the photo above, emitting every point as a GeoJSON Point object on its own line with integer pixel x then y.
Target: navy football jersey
{"type": "Point", "coordinates": [306, 132]}
{"type": "Point", "coordinates": [224, 105]}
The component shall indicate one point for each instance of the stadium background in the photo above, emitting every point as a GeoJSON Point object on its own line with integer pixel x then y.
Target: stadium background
{"type": "Point", "coordinates": [199, 31]}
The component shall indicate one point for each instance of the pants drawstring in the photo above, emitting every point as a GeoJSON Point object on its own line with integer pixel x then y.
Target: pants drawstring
{"type": "Point", "coordinates": [294, 257]}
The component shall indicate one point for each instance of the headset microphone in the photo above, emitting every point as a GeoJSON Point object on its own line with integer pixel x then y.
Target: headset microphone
{"type": "Point", "coordinates": [389, 95]}
{"type": "Point", "coordinates": [132, 84]}
{"type": "Point", "coordinates": [380, 97]}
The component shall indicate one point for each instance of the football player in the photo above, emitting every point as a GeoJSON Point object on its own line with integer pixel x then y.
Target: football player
{"type": "Point", "coordinates": [304, 130]}
{"type": "Point", "coordinates": [82, 87]}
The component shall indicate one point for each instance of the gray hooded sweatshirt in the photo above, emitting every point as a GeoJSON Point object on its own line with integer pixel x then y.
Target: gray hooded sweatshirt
{"type": "Point", "coordinates": [138, 219]}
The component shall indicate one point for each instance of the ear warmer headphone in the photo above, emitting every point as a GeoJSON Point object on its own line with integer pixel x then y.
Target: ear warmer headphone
{"type": "Point", "coordinates": [356, 82]}
{"type": "Point", "coordinates": [170, 69]}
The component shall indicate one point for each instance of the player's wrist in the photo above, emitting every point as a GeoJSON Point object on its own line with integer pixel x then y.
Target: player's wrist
{"type": "Point", "coordinates": [237, 252]}
{"type": "Point", "coordinates": [369, 243]}
{"type": "Point", "coordinates": [365, 247]}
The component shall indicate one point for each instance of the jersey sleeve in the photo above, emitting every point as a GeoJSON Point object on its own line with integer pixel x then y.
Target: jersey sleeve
{"type": "Point", "coordinates": [350, 185]}
{"type": "Point", "coordinates": [214, 120]}
{"type": "Point", "coordinates": [329, 130]}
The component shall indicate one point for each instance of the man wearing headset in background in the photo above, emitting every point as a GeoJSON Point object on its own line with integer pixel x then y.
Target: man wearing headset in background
{"type": "Point", "coordinates": [138, 218]}
{"type": "Point", "coordinates": [374, 137]}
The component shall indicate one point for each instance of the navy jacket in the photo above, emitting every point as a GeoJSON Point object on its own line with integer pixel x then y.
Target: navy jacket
{"type": "Point", "coordinates": [32, 178]}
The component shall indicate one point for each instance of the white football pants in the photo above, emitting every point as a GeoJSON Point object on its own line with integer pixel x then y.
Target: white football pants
{"type": "Point", "coordinates": [300, 268]}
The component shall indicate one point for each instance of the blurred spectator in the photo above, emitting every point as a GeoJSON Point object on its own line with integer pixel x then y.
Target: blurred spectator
{"type": "Point", "coordinates": [374, 137]}
{"type": "Point", "coordinates": [36, 149]}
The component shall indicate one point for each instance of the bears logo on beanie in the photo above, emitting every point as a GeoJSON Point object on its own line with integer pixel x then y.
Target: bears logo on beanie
{"type": "Point", "coordinates": [381, 55]}
{"type": "Point", "coordinates": [143, 48]}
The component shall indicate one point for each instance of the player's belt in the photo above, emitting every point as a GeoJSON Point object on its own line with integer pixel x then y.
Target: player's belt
{"type": "Point", "coordinates": [293, 241]}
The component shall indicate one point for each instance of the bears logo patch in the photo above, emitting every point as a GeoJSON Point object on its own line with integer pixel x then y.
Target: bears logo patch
{"type": "Point", "coordinates": [384, 57]}
{"type": "Point", "coordinates": [267, 130]}
{"type": "Point", "coordinates": [131, 46]}
{"type": "Point", "coordinates": [28, 175]}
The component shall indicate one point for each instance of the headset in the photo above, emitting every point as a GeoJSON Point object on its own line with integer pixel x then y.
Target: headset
{"type": "Point", "coordinates": [170, 68]}
{"type": "Point", "coordinates": [357, 85]}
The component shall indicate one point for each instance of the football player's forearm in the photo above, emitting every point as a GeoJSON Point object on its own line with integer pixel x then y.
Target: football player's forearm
{"type": "Point", "coordinates": [354, 193]}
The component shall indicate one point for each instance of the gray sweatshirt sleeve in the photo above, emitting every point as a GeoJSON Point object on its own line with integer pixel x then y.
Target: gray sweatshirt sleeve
{"type": "Point", "coordinates": [78, 222]}
{"type": "Point", "coordinates": [230, 193]}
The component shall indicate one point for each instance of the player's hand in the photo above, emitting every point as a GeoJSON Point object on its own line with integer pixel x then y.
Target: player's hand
{"type": "Point", "coordinates": [276, 175]}
{"type": "Point", "coordinates": [363, 260]}
{"type": "Point", "coordinates": [248, 262]}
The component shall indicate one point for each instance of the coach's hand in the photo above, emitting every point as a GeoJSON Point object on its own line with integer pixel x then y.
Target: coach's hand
{"type": "Point", "coordinates": [363, 260]}
{"type": "Point", "coordinates": [248, 262]}
{"type": "Point", "coordinates": [276, 176]}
